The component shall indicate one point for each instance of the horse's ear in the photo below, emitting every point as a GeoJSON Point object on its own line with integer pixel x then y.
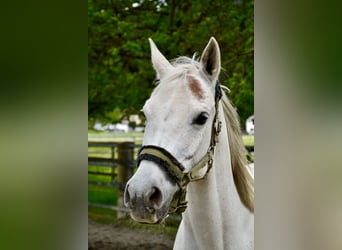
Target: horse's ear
{"type": "Point", "coordinates": [211, 60]}
{"type": "Point", "coordinates": [160, 63]}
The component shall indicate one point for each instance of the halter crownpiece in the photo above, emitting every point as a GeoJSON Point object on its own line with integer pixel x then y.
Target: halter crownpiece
{"type": "Point", "coordinates": [174, 168]}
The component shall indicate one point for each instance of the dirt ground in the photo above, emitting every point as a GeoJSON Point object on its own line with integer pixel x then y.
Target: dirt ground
{"type": "Point", "coordinates": [120, 237]}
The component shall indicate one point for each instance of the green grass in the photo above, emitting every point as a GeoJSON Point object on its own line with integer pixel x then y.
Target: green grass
{"type": "Point", "coordinates": [117, 136]}
{"type": "Point", "coordinates": [104, 152]}
{"type": "Point", "coordinates": [99, 178]}
{"type": "Point", "coordinates": [101, 194]}
{"type": "Point", "coordinates": [248, 140]}
{"type": "Point", "coordinates": [100, 169]}
{"type": "Point", "coordinates": [137, 137]}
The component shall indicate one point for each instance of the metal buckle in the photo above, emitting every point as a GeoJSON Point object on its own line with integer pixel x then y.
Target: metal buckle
{"type": "Point", "coordinates": [218, 129]}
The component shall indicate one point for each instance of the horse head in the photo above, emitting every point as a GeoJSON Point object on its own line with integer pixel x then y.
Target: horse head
{"type": "Point", "coordinates": [178, 138]}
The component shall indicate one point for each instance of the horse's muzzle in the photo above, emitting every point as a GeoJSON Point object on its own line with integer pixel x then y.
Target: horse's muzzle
{"type": "Point", "coordinates": [145, 208]}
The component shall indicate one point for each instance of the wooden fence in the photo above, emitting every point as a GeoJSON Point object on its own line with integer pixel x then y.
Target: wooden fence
{"type": "Point", "coordinates": [122, 163]}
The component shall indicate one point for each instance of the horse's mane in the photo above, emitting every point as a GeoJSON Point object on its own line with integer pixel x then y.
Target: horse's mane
{"type": "Point", "coordinates": [243, 180]}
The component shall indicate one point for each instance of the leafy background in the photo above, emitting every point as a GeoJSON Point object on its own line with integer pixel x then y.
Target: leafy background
{"type": "Point", "coordinates": [120, 73]}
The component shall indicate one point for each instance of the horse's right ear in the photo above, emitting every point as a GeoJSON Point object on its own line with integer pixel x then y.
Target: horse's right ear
{"type": "Point", "coordinates": [159, 62]}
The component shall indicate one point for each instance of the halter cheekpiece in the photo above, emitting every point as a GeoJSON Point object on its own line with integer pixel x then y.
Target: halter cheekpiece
{"type": "Point", "coordinates": [174, 168]}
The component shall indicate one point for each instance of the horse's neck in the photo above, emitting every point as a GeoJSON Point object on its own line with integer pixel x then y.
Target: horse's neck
{"type": "Point", "coordinates": [215, 217]}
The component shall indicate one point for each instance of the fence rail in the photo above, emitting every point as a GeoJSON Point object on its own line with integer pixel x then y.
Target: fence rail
{"type": "Point", "coordinates": [122, 162]}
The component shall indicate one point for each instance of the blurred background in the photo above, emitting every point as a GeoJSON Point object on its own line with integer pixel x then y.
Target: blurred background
{"type": "Point", "coordinates": [120, 74]}
{"type": "Point", "coordinates": [44, 123]}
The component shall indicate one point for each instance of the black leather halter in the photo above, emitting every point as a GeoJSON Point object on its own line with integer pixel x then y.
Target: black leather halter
{"type": "Point", "coordinates": [174, 168]}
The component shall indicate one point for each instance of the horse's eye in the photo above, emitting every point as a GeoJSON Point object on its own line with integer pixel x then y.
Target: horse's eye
{"type": "Point", "coordinates": [201, 118]}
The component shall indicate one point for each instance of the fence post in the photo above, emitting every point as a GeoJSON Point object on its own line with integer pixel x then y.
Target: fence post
{"type": "Point", "coordinates": [113, 166]}
{"type": "Point", "coordinates": [125, 157]}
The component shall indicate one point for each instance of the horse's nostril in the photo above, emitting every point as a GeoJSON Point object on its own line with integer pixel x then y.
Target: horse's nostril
{"type": "Point", "coordinates": [127, 198]}
{"type": "Point", "coordinates": [155, 196]}
{"type": "Point", "coordinates": [150, 201]}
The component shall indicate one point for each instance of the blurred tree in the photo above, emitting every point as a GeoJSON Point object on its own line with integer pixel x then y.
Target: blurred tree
{"type": "Point", "coordinates": [120, 73]}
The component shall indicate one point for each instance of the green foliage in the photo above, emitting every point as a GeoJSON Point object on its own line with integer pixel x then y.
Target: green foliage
{"type": "Point", "coordinates": [120, 71]}
{"type": "Point", "coordinates": [114, 115]}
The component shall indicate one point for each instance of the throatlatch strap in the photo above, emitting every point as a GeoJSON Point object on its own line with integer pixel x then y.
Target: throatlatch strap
{"type": "Point", "coordinates": [201, 164]}
{"type": "Point", "coordinates": [218, 91]}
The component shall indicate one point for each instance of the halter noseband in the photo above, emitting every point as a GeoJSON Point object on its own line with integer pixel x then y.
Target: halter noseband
{"type": "Point", "coordinates": [174, 168]}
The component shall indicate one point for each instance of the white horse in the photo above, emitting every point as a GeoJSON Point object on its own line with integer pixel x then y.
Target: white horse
{"type": "Point", "coordinates": [193, 160]}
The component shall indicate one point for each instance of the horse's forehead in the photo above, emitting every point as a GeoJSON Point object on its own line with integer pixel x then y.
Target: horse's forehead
{"type": "Point", "coordinates": [195, 87]}
{"type": "Point", "coordinates": [188, 91]}
{"type": "Point", "coordinates": [168, 97]}
{"type": "Point", "coordinates": [188, 87]}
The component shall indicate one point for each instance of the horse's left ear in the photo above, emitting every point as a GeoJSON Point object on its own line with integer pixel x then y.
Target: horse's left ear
{"type": "Point", "coordinates": [211, 60]}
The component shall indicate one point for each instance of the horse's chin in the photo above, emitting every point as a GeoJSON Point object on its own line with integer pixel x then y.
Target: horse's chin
{"type": "Point", "coordinates": [144, 217]}
{"type": "Point", "coordinates": [151, 222]}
